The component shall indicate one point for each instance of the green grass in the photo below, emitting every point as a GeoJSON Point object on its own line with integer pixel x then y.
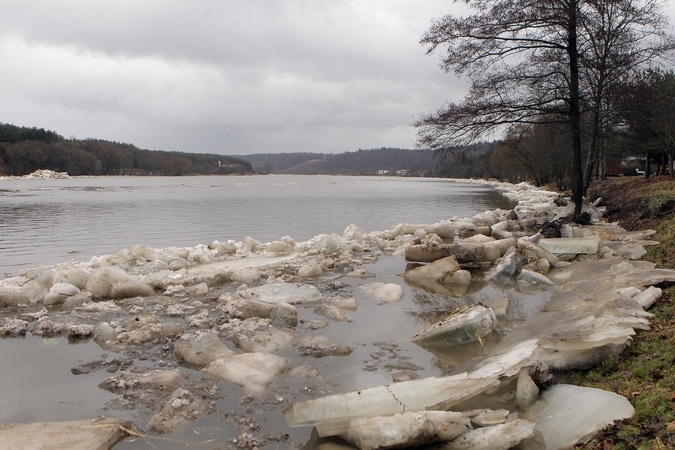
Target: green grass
{"type": "Point", "coordinates": [645, 372]}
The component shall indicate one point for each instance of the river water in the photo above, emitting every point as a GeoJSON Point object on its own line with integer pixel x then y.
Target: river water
{"type": "Point", "coordinates": [50, 221]}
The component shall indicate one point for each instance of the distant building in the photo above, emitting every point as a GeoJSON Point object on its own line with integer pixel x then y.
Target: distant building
{"type": "Point", "coordinates": [402, 172]}
{"type": "Point", "coordinates": [382, 172]}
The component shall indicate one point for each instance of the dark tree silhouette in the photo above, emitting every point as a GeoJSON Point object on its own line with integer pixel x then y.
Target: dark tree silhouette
{"type": "Point", "coordinates": [525, 60]}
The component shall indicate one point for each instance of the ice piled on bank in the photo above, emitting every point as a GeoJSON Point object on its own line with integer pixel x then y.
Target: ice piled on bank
{"type": "Point", "coordinates": [567, 414]}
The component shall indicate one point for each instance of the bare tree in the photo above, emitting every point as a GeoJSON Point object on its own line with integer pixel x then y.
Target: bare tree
{"type": "Point", "coordinates": [524, 60]}
{"type": "Point", "coordinates": [621, 37]}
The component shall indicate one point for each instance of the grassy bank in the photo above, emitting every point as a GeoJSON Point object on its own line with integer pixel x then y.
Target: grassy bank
{"type": "Point", "coordinates": [645, 372]}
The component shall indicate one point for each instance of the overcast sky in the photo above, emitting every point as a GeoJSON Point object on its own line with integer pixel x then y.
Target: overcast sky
{"type": "Point", "coordinates": [223, 76]}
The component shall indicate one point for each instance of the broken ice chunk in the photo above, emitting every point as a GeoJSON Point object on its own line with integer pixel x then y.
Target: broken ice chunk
{"type": "Point", "coordinates": [498, 437]}
{"type": "Point", "coordinates": [406, 430]}
{"type": "Point", "coordinates": [568, 414]}
{"type": "Point", "coordinates": [201, 348]}
{"type": "Point", "coordinates": [332, 414]}
{"type": "Point", "coordinates": [464, 325]}
{"type": "Point", "coordinates": [252, 371]}
{"type": "Point", "coordinates": [291, 293]}
{"type": "Point", "coordinates": [386, 293]}
{"type": "Point", "coordinates": [559, 246]}
{"type": "Point", "coordinates": [59, 292]}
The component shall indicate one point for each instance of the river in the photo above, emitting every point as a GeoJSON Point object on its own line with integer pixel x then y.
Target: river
{"type": "Point", "coordinates": [45, 222]}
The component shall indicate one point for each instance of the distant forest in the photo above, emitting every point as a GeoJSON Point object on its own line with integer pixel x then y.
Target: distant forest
{"type": "Point", "coordinates": [392, 161]}
{"type": "Point", "coordinates": [24, 150]}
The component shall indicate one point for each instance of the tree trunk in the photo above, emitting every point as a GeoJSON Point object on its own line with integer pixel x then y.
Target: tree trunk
{"type": "Point", "coordinates": [574, 114]}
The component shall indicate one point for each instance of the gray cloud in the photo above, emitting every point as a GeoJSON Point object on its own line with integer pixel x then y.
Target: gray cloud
{"type": "Point", "coordinates": [224, 76]}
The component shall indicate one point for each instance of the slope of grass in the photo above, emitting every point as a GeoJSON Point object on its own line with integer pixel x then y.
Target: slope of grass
{"type": "Point", "coordinates": [645, 371]}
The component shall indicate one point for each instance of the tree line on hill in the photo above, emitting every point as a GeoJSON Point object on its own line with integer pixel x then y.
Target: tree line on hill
{"type": "Point", "coordinates": [24, 150]}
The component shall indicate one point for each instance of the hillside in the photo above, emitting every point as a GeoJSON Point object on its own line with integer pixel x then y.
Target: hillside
{"type": "Point", "coordinates": [24, 150]}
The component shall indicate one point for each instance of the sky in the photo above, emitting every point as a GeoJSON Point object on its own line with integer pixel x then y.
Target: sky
{"type": "Point", "coordinates": [224, 76]}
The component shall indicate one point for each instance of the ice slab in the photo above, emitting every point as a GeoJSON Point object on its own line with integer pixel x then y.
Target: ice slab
{"type": "Point", "coordinates": [201, 348]}
{"type": "Point", "coordinates": [566, 414]}
{"type": "Point", "coordinates": [560, 246]}
{"type": "Point", "coordinates": [74, 434]}
{"type": "Point", "coordinates": [498, 437]}
{"type": "Point", "coordinates": [440, 270]}
{"type": "Point", "coordinates": [462, 326]}
{"type": "Point", "coordinates": [332, 414]}
{"type": "Point", "coordinates": [409, 429]}
{"type": "Point", "coordinates": [252, 371]}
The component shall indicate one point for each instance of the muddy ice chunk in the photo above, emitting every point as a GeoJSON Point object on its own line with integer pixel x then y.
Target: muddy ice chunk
{"type": "Point", "coordinates": [200, 320]}
{"type": "Point", "coordinates": [130, 289]}
{"type": "Point", "coordinates": [72, 330]}
{"type": "Point", "coordinates": [105, 333]}
{"type": "Point", "coordinates": [385, 293]}
{"type": "Point", "coordinates": [464, 325]}
{"type": "Point", "coordinates": [498, 437]}
{"type": "Point", "coordinates": [244, 308]}
{"type": "Point", "coordinates": [13, 327]}
{"type": "Point", "coordinates": [332, 312]}
{"type": "Point", "coordinates": [532, 250]}
{"type": "Point", "coordinates": [568, 414]}
{"type": "Point", "coordinates": [86, 434]}
{"type": "Point", "coordinates": [266, 340]}
{"type": "Point", "coordinates": [251, 245]}
{"type": "Point", "coordinates": [504, 269]}
{"type": "Point", "coordinates": [59, 292]}
{"type": "Point", "coordinates": [349, 304]}
{"type": "Point", "coordinates": [157, 379]}
{"type": "Point", "coordinates": [409, 429]}
{"type": "Point", "coordinates": [101, 280]}
{"type": "Point", "coordinates": [530, 277]}
{"type": "Point", "coordinates": [319, 346]}
{"type": "Point", "coordinates": [147, 328]}
{"type": "Point", "coordinates": [489, 417]}
{"type": "Point", "coordinates": [444, 270]}
{"type": "Point", "coordinates": [77, 300]}
{"type": "Point", "coordinates": [246, 275]}
{"type": "Point", "coordinates": [13, 296]}
{"type": "Point", "coordinates": [310, 269]}
{"type": "Point", "coordinates": [182, 407]}
{"type": "Point", "coordinates": [252, 371]}
{"type": "Point", "coordinates": [283, 314]}
{"type": "Point", "coordinates": [279, 248]}
{"type": "Point", "coordinates": [201, 348]}
{"type": "Point", "coordinates": [291, 293]}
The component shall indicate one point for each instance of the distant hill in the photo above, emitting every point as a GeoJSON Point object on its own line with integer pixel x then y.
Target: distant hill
{"type": "Point", "coordinates": [24, 150]}
{"type": "Point", "coordinates": [360, 162]}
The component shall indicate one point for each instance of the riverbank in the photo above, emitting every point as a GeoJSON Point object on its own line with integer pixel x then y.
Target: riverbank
{"type": "Point", "coordinates": [645, 372]}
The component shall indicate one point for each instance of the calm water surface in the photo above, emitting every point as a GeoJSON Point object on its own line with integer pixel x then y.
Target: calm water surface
{"type": "Point", "coordinates": [50, 221]}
